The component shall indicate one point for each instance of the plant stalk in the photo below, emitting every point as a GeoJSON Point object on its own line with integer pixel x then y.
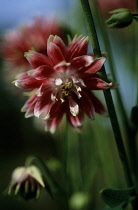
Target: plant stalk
{"type": "Point", "coordinates": [107, 94]}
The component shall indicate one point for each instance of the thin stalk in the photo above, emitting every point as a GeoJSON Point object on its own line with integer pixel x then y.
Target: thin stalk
{"type": "Point", "coordinates": [129, 137]}
{"type": "Point", "coordinates": [66, 160]}
{"type": "Point", "coordinates": [107, 94]}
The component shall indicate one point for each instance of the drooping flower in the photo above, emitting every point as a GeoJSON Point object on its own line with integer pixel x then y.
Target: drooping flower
{"type": "Point", "coordinates": [33, 35]}
{"type": "Point", "coordinates": [63, 81]}
{"type": "Point", "coordinates": [26, 182]}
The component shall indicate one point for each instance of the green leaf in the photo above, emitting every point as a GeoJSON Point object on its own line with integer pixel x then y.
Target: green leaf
{"type": "Point", "coordinates": [115, 197]}
{"type": "Point", "coordinates": [120, 207]}
{"type": "Point", "coordinates": [118, 10]}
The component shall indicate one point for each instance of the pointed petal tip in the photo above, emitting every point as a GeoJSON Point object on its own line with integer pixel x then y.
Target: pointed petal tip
{"type": "Point", "coordinates": [26, 54]}
{"type": "Point", "coordinates": [46, 117]}
{"type": "Point", "coordinates": [51, 130]}
{"type": "Point", "coordinates": [23, 109]}
{"type": "Point", "coordinates": [14, 82]}
{"type": "Point", "coordinates": [30, 73]}
{"type": "Point", "coordinates": [50, 38]}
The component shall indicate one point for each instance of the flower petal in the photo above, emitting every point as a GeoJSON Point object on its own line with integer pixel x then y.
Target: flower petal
{"type": "Point", "coordinates": [95, 66]}
{"type": "Point", "coordinates": [29, 106]}
{"type": "Point", "coordinates": [42, 72]}
{"type": "Point", "coordinates": [75, 121]}
{"type": "Point", "coordinates": [96, 84]}
{"type": "Point", "coordinates": [87, 104]}
{"type": "Point", "coordinates": [52, 122]}
{"type": "Point", "coordinates": [99, 107]}
{"type": "Point", "coordinates": [37, 59]}
{"type": "Point", "coordinates": [73, 106]}
{"type": "Point", "coordinates": [54, 53]}
{"type": "Point", "coordinates": [43, 103]}
{"type": "Point", "coordinates": [58, 41]}
{"type": "Point", "coordinates": [27, 82]}
{"type": "Point", "coordinates": [62, 66]}
{"type": "Point", "coordinates": [82, 61]}
{"type": "Point", "coordinates": [77, 47]}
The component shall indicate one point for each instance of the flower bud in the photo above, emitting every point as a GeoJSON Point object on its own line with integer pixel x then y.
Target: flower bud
{"type": "Point", "coordinates": [26, 182]}
{"type": "Point", "coordinates": [79, 200]}
{"type": "Point", "coordinates": [121, 18]}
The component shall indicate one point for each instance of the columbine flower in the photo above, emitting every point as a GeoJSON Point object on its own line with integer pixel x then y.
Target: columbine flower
{"type": "Point", "coordinates": [32, 35]}
{"type": "Point", "coordinates": [63, 81]}
{"type": "Point", "coordinates": [27, 182]}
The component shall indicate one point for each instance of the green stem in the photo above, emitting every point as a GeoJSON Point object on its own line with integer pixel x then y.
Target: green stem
{"type": "Point", "coordinates": [110, 105]}
{"type": "Point", "coordinates": [66, 161]}
{"type": "Point", "coordinates": [130, 138]}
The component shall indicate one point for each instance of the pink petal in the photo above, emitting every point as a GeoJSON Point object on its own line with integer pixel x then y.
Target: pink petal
{"type": "Point", "coordinates": [54, 53]}
{"type": "Point", "coordinates": [42, 72]}
{"type": "Point", "coordinates": [53, 122]}
{"type": "Point", "coordinates": [82, 61]}
{"type": "Point", "coordinates": [96, 84]}
{"type": "Point", "coordinates": [58, 41]}
{"type": "Point", "coordinates": [75, 121]}
{"type": "Point", "coordinates": [37, 59]}
{"type": "Point", "coordinates": [99, 107]}
{"type": "Point", "coordinates": [29, 106]}
{"type": "Point", "coordinates": [73, 106]}
{"type": "Point", "coordinates": [61, 67]}
{"type": "Point", "coordinates": [57, 107]}
{"type": "Point", "coordinates": [95, 66]}
{"type": "Point", "coordinates": [87, 104]}
{"type": "Point", "coordinates": [26, 82]}
{"type": "Point", "coordinates": [77, 47]}
{"type": "Point", "coordinates": [43, 103]}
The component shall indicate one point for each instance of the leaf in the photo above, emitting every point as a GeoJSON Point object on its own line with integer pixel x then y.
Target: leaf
{"type": "Point", "coordinates": [119, 207]}
{"type": "Point", "coordinates": [118, 10]}
{"type": "Point", "coordinates": [117, 197]}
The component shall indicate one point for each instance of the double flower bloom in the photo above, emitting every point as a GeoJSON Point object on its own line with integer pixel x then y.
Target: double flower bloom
{"type": "Point", "coordinates": [62, 82]}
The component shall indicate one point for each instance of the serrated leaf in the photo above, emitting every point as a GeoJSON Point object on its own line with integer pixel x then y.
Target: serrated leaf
{"type": "Point", "coordinates": [115, 197]}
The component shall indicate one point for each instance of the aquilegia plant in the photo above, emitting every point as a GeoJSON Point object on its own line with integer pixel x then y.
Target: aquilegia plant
{"type": "Point", "coordinates": [62, 80]}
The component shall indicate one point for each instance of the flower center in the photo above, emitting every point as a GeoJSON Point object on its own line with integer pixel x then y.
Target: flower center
{"type": "Point", "coordinates": [66, 87]}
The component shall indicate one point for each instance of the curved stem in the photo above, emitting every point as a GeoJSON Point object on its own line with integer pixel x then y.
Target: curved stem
{"type": "Point", "coordinates": [110, 105]}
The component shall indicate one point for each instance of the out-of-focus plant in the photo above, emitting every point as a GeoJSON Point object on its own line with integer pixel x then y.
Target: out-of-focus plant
{"type": "Point", "coordinates": [32, 35]}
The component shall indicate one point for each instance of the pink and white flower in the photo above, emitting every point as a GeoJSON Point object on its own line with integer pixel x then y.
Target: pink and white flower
{"type": "Point", "coordinates": [62, 82]}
